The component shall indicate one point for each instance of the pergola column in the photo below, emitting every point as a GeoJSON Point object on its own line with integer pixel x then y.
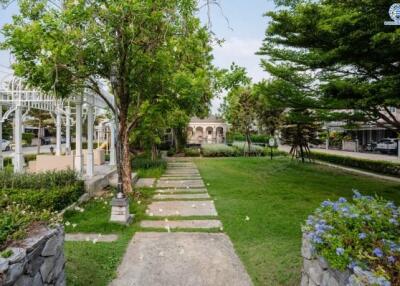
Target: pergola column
{"type": "Point", "coordinates": [58, 131]}
{"type": "Point", "coordinates": [1, 138]}
{"type": "Point", "coordinates": [68, 131]}
{"type": "Point", "coordinates": [18, 155]}
{"type": "Point", "coordinates": [89, 156]}
{"type": "Point", "coordinates": [78, 137]}
{"type": "Point", "coordinates": [113, 154]}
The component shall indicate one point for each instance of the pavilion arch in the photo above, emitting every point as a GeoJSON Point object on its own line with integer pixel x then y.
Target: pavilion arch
{"type": "Point", "coordinates": [209, 137]}
{"type": "Point", "coordinates": [220, 134]}
{"type": "Point", "coordinates": [199, 134]}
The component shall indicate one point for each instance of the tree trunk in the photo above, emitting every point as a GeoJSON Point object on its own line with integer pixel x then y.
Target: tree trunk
{"type": "Point", "coordinates": [153, 152]}
{"type": "Point", "coordinates": [248, 139]}
{"type": "Point", "coordinates": [38, 137]}
{"type": "Point", "coordinates": [123, 155]}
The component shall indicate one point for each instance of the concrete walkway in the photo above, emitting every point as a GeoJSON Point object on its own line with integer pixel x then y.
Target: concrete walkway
{"type": "Point", "coordinates": [195, 258]}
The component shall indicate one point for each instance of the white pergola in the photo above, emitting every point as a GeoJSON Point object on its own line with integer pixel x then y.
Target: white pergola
{"type": "Point", "coordinates": [18, 98]}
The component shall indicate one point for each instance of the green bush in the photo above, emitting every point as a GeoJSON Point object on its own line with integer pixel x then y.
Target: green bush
{"type": "Point", "coordinates": [192, 152]}
{"type": "Point", "coordinates": [147, 163]}
{"type": "Point", "coordinates": [254, 149]}
{"type": "Point", "coordinates": [29, 198]}
{"type": "Point", "coordinates": [218, 150]}
{"type": "Point", "coordinates": [382, 167]}
{"type": "Point", "coordinates": [45, 180]}
{"type": "Point", "coordinates": [55, 199]}
{"type": "Point", "coordinates": [256, 138]}
{"type": "Point", "coordinates": [362, 235]}
{"type": "Point", "coordinates": [28, 157]}
{"type": "Point", "coordinates": [27, 137]}
{"type": "Point", "coordinates": [15, 220]}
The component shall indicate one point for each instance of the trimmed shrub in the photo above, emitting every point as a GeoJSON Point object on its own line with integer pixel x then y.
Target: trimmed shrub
{"type": "Point", "coordinates": [362, 236]}
{"type": "Point", "coordinates": [218, 150]}
{"type": "Point", "coordinates": [28, 157]}
{"type": "Point", "coordinates": [44, 180]}
{"type": "Point", "coordinates": [55, 199]}
{"type": "Point", "coordinates": [254, 149]}
{"type": "Point", "coordinates": [147, 163]}
{"type": "Point", "coordinates": [192, 152]}
{"type": "Point", "coordinates": [30, 198]}
{"type": "Point", "coordinates": [256, 138]}
{"type": "Point", "coordinates": [382, 167]}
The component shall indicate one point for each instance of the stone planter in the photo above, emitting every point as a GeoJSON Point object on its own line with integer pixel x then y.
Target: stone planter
{"type": "Point", "coordinates": [37, 260]}
{"type": "Point", "coordinates": [316, 271]}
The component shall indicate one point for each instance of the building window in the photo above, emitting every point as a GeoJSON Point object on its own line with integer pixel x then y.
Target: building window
{"type": "Point", "coordinates": [392, 109]}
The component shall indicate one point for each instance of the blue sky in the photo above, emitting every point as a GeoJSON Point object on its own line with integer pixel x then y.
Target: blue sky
{"type": "Point", "coordinates": [243, 35]}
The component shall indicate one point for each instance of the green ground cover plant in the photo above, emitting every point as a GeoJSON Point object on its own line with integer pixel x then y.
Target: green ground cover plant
{"type": "Point", "coordinates": [262, 204]}
{"type": "Point", "coordinates": [218, 150]}
{"type": "Point", "coordinates": [95, 263]}
{"type": "Point", "coordinates": [145, 167]}
{"type": "Point", "coordinates": [26, 199]}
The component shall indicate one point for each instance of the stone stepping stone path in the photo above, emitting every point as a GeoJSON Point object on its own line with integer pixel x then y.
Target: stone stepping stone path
{"type": "Point", "coordinates": [202, 224]}
{"type": "Point", "coordinates": [91, 237]}
{"type": "Point", "coordinates": [145, 183]}
{"type": "Point", "coordinates": [180, 196]}
{"type": "Point", "coordinates": [182, 208]}
{"type": "Point", "coordinates": [180, 184]}
{"type": "Point", "coordinates": [177, 191]}
{"type": "Point", "coordinates": [181, 258]}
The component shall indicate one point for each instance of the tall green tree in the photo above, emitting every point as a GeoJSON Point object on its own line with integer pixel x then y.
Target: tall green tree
{"type": "Point", "coordinates": [139, 48]}
{"type": "Point", "coordinates": [345, 46]}
{"type": "Point", "coordinates": [240, 102]}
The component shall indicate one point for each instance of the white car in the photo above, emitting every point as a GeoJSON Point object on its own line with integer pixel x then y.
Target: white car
{"type": "Point", "coordinates": [387, 145]}
{"type": "Point", "coordinates": [5, 145]}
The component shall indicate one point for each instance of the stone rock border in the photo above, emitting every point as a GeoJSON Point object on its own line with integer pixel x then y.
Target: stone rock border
{"type": "Point", "coordinates": [37, 260]}
{"type": "Point", "coordinates": [316, 271]}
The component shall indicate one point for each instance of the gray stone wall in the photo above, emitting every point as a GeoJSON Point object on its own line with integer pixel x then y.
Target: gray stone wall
{"type": "Point", "coordinates": [316, 271]}
{"type": "Point", "coordinates": [38, 260]}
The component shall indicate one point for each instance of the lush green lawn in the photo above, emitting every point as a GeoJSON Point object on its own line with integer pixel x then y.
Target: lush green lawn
{"type": "Point", "coordinates": [277, 196]}
{"type": "Point", "coordinates": [95, 264]}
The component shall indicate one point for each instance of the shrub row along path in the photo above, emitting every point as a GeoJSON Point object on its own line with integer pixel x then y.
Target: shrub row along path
{"type": "Point", "coordinates": [182, 242]}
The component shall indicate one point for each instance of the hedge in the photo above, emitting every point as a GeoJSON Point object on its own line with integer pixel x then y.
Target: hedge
{"type": "Point", "coordinates": [254, 149]}
{"type": "Point", "coordinates": [148, 163]}
{"type": "Point", "coordinates": [30, 198]}
{"type": "Point", "coordinates": [7, 161]}
{"type": "Point", "coordinates": [44, 180]}
{"type": "Point", "coordinates": [382, 167]}
{"type": "Point", "coordinates": [219, 150]}
{"type": "Point", "coordinates": [53, 199]}
{"type": "Point", "coordinates": [192, 152]}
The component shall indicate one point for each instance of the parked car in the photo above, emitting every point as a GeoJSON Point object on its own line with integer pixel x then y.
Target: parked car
{"type": "Point", "coordinates": [45, 140]}
{"type": "Point", "coordinates": [5, 145]}
{"type": "Point", "coordinates": [387, 146]}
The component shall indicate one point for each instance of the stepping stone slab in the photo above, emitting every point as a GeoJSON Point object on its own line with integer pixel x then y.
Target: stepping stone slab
{"type": "Point", "coordinates": [163, 178]}
{"type": "Point", "coordinates": [181, 196]}
{"type": "Point", "coordinates": [182, 208]}
{"type": "Point", "coordinates": [90, 237]}
{"type": "Point", "coordinates": [180, 190]}
{"type": "Point", "coordinates": [145, 183]}
{"type": "Point", "coordinates": [181, 224]}
{"type": "Point", "coordinates": [180, 184]}
{"type": "Point", "coordinates": [181, 259]}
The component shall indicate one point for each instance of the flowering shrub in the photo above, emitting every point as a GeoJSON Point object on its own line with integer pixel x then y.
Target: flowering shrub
{"type": "Point", "coordinates": [15, 220]}
{"type": "Point", "coordinates": [362, 235]}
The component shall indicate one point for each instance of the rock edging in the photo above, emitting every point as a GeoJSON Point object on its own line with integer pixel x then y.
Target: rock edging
{"type": "Point", "coordinates": [38, 260]}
